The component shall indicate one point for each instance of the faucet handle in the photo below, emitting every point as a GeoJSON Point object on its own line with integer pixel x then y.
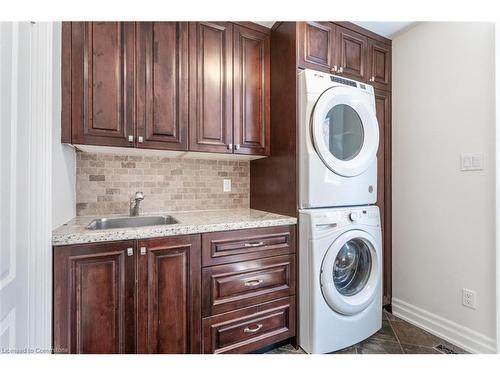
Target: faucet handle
{"type": "Point", "coordinates": [139, 195]}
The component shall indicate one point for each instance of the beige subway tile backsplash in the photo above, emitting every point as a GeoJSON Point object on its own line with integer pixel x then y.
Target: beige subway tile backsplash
{"type": "Point", "coordinates": [105, 183]}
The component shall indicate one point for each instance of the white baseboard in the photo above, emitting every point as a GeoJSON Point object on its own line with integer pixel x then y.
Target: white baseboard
{"type": "Point", "coordinates": [464, 337]}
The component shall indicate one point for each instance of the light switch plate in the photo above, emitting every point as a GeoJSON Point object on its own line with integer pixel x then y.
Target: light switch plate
{"type": "Point", "coordinates": [472, 161]}
{"type": "Point", "coordinates": [226, 187]}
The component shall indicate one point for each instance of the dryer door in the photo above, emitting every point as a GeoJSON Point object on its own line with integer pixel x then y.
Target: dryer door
{"type": "Point", "coordinates": [350, 272]}
{"type": "Point", "coordinates": [344, 130]}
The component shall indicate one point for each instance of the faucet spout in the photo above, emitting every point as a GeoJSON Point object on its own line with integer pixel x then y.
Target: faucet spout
{"type": "Point", "coordinates": [135, 203]}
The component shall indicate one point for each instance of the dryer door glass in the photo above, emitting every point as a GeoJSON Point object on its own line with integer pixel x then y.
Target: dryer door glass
{"type": "Point", "coordinates": [352, 267]}
{"type": "Point", "coordinates": [343, 132]}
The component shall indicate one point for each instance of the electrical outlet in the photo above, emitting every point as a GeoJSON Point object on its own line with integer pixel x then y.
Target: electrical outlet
{"type": "Point", "coordinates": [469, 298]}
{"type": "Point", "coordinates": [226, 186]}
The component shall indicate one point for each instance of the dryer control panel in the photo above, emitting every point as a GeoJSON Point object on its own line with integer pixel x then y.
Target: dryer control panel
{"type": "Point", "coordinates": [318, 82]}
{"type": "Point", "coordinates": [344, 81]}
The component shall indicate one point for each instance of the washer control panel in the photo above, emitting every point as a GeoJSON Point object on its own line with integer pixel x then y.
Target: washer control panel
{"type": "Point", "coordinates": [346, 216]}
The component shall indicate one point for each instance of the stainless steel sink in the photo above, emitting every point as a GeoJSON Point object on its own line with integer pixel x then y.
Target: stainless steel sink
{"type": "Point", "coordinates": [130, 221]}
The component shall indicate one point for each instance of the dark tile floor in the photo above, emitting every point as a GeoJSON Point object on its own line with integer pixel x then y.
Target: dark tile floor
{"type": "Point", "coordinates": [395, 337]}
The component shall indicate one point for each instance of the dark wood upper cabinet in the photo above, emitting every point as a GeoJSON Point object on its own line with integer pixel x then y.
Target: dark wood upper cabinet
{"type": "Point", "coordinates": [169, 312]}
{"type": "Point", "coordinates": [102, 83]}
{"type": "Point", "coordinates": [94, 294]}
{"type": "Point", "coordinates": [162, 85]}
{"type": "Point", "coordinates": [352, 52]}
{"type": "Point", "coordinates": [167, 85]}
{"type": "Point", "coordinates": [211, 86]}
{"type": "Point", "coordinates": [251, 71]}
{"type": "Point", "coordinates": [380, 65]}
{"type": "Point", "coordinates": [316, 46]}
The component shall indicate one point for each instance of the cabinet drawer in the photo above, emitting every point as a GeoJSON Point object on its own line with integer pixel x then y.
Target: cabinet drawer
{"type": "Point", "coordinates": [248, 329]}
{"type": "Point", "coordinates": [236, 285]}
{"type": "Point", "coordinates": [247, 244]}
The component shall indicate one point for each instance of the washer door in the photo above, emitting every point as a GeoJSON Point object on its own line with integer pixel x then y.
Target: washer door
{"type": "Point", "coordinates": [350, 272]}
{"type": "Point", "coordinates": [344, 131]}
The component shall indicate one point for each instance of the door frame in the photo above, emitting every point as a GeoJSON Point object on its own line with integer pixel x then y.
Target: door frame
{"type": "Point", "coordinates": [31, 153]}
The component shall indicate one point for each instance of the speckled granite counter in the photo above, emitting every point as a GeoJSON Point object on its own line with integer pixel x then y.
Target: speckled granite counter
{"type": "Point", "coordinates": [189, 222]}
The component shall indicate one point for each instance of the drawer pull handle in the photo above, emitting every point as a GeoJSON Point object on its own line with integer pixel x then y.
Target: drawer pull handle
{"type": "Point", "coordinates": [253, 282]}
{"type": "Point", "coordinates": [253, 330]}
{"type": "Point", "coordinates": [254, 244]}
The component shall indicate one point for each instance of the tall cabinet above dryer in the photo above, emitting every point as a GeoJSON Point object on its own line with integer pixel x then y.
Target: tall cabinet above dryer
{"type": "Point", "coordinates": [338, 48]}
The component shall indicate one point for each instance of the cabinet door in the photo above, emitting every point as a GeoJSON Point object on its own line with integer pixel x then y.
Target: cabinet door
{"type": "Point", "coordinates": [352, 49]}
{"type": "Point", "coordinates": [162, 85]}
{"type": "Point", "coordinates": [211, 87]}
{"type": "Point", "coordinates": [94, 295]}
{"type": "Point", "coordinates": [102, 80]}
{"type": "Point", "coordinates": [251, 91]}
{"type": "Point", "coordinates": [383, 104]}
{"type": "Point", "coordinates": [316, 46]}
{"type": "Point", "coordinates": [169, 287]}
{"type": "Point", "coordinates": [380, 65]}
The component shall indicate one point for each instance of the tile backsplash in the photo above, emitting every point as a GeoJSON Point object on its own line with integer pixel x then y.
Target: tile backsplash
{"type": "Point", "coordinates": [105, 183]}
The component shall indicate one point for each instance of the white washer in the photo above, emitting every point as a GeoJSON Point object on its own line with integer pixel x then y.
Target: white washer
{"type": "Point", "coordinates": [340, 268]}
{"type": "Point", "coordinates": [338, 141]}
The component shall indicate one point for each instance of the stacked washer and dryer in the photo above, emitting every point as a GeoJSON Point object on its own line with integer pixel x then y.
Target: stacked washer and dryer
{"type": "Point", "coordinates": [340, 259]}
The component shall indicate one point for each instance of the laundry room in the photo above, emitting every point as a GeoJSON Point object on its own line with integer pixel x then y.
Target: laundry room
{"type": "Point", "coordinates": [317, 187]}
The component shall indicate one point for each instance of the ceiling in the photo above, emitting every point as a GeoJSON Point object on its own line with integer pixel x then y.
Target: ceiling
{"type": "Point", "coordinates": [386, 29]}
{"type": "Point", "coordinates": [266, 23]}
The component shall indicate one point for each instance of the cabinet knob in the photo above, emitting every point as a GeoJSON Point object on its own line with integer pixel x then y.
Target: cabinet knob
{"type": "Point", "coordinates": [140, 139]}
{"type": "Point", "coordinates": [341, 70]}
{"type": "Point", "coordinates": [372, 79]}
{"type": "Point", "coordinates": [130, 251]}
{"type": "Point", "coordinates": [334, 69]}
{"type": "Point", "coordinates": [230, 146]}
{"type": "Point", "coordinates": [131, 138]}
{"type": "Point", "coordinates": [237, 146]}
{"type": "Point", "coordinates": [143, 250]}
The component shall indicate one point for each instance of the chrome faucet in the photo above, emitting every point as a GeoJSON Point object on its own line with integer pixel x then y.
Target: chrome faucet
{"type": "Point", "coordinates": [135, 202]}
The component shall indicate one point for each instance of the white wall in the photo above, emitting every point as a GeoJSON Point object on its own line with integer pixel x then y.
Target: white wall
{"type": "Point", "coordinates": [63, 156]}
{"type": "Point", "coordinates": [444, 219]}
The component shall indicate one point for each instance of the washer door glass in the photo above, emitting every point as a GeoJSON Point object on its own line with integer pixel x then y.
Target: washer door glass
{"type": "Point", "coordinates": [351, 274]}
{"type": "Point", "coordinates": [343, 132]}
{"type": "Point", "coordinates": [352, 267]}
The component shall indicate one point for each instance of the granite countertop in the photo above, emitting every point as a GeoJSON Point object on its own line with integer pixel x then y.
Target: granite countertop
{"type": "Point", "coordinates": [189, 222]}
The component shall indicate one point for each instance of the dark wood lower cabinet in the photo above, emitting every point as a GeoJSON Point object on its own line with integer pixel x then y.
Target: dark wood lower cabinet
{"type": "Point", "coordinates": [94, 298]}
{"type": "Point", "coordinates": [169, 288]}
{"type": "Point", "coordinates": [128, 297]}
{"type": "Point", "coordinates": [248, 288]}
{"type": "Point", "coordinates": [384, 157]}
{"type": "Point", "coordinates": [145, 296]}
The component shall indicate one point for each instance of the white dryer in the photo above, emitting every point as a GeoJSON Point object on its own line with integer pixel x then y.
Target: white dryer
{"type": "Point", "coordinates": [340, 268]}
{"type": "Point", "coordinates": [338, 141]}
